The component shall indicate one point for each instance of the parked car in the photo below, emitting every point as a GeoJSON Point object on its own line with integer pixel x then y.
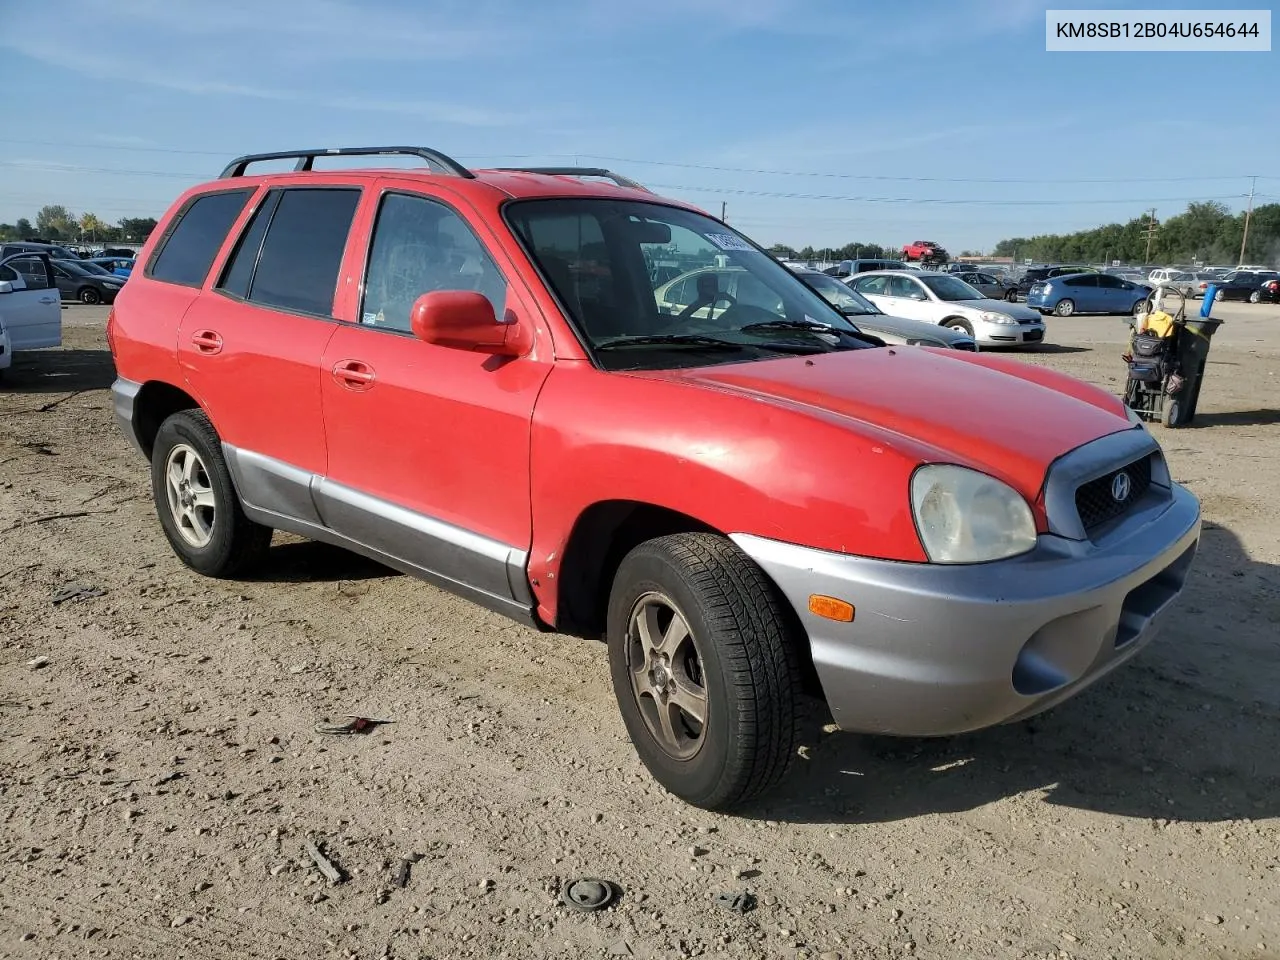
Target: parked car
{"type": "Point", "coordinates": [847, 268]}
{"type": "Point", "coordinates": [1033, 275]}
{"type": "Point", "coordinates": [465, 374]}
{"type": "Point", "coordinates": [1186, 283]}
{"type": "Point", "coordinates": [870, 319]}
{"type": "Point", "coordinates": [950, 302]}
{"type": "Point", "coordinates": [990, 285]}
{"type": "Point", "coordinates": [52, 250]}
{"type": "Point", "coordinates": [926, 251]}
{"type": "Point", "coordinates": [1087, 293]}
{"type": "Point", "coordinates": [1240, 285]}
{"type": "Point", "coordinates": [30, 314]}
{"type": "Point", "coordinates": [76, 282]}
{"type": "Point", "coordinates": [119, 266]}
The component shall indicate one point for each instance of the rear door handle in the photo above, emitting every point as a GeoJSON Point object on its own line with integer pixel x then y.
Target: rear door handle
{"type": "Point", "coordinates": [354, 374]}
{"type": "Point", "coordinates": [207, 341]}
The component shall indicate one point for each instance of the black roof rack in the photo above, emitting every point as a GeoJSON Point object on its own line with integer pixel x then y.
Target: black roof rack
{"type": "Point", "coordinates": [580, 172]}
{"type": "Point", "coordinates": [306, 158]}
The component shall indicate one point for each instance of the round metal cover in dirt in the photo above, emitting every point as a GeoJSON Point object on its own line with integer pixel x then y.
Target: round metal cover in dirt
{"type": "Point", "coordinates": [588, 893]}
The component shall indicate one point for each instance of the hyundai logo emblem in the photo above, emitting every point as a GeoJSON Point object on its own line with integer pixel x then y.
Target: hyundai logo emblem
{"type": "Point", "coordinates": [1121, 487]}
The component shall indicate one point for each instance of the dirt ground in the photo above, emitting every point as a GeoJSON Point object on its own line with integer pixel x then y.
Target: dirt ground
{"type": "Point", "coordinates": [161, 773]}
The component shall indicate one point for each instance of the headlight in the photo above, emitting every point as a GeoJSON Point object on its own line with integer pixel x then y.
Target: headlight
{"type": "Point", "coordinates": [992, 316]}
{"type": "Point", "coordinates": [964, 516]}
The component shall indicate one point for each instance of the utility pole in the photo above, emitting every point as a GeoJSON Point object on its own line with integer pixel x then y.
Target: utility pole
{"type": "Point", "coordinates": [723, 205]}
{"type": "Point", "coordinates": [1247, 214]}
{"type": "Point", "coordinates": [1151, 232]}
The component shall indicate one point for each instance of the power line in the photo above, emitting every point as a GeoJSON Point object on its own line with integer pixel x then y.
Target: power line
{"type": "Point", "coordinates": [927, 200]}
{"type": "Point", "coordinates": [717, 168]}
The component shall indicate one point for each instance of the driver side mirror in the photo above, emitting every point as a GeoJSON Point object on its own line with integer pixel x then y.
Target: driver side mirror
{"type": "Point", "coordinates": [464, 320]}
{"type": "Point", "coordinates": [6, 286]}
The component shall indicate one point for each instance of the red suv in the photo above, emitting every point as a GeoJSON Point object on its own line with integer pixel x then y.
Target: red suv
{"type": "Point", "coordinates": [600, 411]}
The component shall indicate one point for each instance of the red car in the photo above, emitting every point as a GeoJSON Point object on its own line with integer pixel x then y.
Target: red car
{"type": "Point", "coordinates": [926, 251]}
{"type": "Point", "coordinates": [468, 375]}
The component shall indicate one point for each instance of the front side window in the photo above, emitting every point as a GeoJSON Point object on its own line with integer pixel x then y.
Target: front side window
{"type": "Point", "coordinates": [187, 253]}
{"type": "Point", "coordinates": [873, 286]}
{"type": "Point", "coordinates": [421, 246]}
{"type": "Point", "coordinates": [841, 296]}
{"type": "Point", "coordinates": [301, 255]}
{"type": "Point", "coordinates": [731, 302]}
{"type": "Point", "coordinates": [904, 287]}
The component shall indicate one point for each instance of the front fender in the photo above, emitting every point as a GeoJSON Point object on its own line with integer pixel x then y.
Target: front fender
{"type": "Point", "coordinates": [734, 463]}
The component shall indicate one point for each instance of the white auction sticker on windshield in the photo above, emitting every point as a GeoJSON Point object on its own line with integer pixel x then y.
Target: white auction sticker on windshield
{"type": "Point", "coordinates": [727, 241]}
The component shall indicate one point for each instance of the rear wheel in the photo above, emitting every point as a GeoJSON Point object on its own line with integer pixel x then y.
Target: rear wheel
{"type": "Point", "coordinates": [197, 502]}
{"type": "Point", "coordinates": [89, 295]}
{"type": "Point", "coordinates": [1172, 416]}
{"type": "Point", "coordinates": [1011, 296]}
{"type": "Point", "coordinates": [1065, 308]}
{"type": "Point", "coordinates": [1220, 295]}
{"type": "Point", "coordinates": [1255, 297]}
{"type": "Point", "coordinates": [703, 659]}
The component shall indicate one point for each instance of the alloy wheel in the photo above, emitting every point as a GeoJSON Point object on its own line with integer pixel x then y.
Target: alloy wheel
{"type": "Point", "coordinates": [666, 675]}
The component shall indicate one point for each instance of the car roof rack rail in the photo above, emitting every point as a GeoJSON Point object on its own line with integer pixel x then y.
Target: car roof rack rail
{"type": "Point", "coordinates": [306, 158]}
{"type": "Point", "coordinates": [617, 178]}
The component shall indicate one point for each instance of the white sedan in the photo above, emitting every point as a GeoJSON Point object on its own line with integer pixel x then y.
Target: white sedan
{"type": "Point", "coordinates": [30, 307]}
{"type": "Point", "coordinates": [949, 302]}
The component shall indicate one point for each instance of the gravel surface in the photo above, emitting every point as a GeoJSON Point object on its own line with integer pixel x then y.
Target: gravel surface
{"type": "Point", "coordinates": [161, 776]}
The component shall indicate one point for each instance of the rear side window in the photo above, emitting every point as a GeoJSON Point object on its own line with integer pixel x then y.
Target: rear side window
{"type": "Point", "coordinates": [298, 264]}
{"type": "Point", "coordinates": [194, 240]}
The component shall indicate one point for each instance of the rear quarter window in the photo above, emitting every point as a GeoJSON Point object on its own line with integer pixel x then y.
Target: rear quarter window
{"type": "Point", "coordinates": [190, 245]}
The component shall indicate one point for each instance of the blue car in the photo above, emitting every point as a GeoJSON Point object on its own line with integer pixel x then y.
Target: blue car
{"type": "Point", "coordinates": [120, 266]}
{"type": "Point", "coordinates": [1086, 293]}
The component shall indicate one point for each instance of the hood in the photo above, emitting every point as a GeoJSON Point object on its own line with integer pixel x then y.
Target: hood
{"type": "Point", "coordinates": [1008, 418]}
{"type": "Point", "coordinates": [904, 327]}
{"type": "Point", "coordinates": [1016, 310]}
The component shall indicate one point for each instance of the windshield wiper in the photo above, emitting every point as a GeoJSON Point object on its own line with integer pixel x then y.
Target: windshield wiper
{"type": "Point", "coordinates": [791, 325]}
{"type": "Point", "coordinates": [675, 340]}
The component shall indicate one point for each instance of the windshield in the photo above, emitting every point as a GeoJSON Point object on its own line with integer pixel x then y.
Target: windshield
{"type": "Point", "coordinates": [73, 267]}
{"type": "Point", "coordinates": [97, 268]}
{"type": "Point", "coordinates": [945, 287]}
{"type": "Point", "coordinates": [841, 296]}
{"type": "Point", "coordinates": [637, 278]}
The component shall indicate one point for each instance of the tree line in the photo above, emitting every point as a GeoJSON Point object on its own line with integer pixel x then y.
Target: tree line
{"type": "Point", "coordinates": [1205, 232]}
{"type": "Point", "coordinates": [56, 223]}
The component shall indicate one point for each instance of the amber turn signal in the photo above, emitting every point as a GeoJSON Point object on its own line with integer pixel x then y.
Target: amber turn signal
{"type": "Point", "coordinates": [831, 608]}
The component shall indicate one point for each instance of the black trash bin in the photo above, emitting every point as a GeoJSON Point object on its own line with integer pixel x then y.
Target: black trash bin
{"type": "Point", "coordinates": [1193, 355]}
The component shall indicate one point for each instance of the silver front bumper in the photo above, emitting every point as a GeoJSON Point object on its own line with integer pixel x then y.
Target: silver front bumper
{"type": "Point", "coordinates": [937, 649]}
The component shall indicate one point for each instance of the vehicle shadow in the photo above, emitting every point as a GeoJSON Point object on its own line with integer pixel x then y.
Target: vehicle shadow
{"type": "Point", "coordinates": [1187, 730]}
{"type": "Point", "coordinates": [309, 561]}
{"type": "Point", "coordinates": [1057, 348]}
{"type": "Point", "coordinates": [1236, 418]}
{"type": "Point", "coordinates": [59, 371]}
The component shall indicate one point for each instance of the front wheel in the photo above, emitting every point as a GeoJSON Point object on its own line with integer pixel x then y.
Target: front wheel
{"type": "Point", "coordinates": [959, 326]}
{"type": "Point", "coordinates": [1139, 308]}
{"type": "Point", "coordinates": [1011, 296]}
{"type": "Point", "coordinates": [90, 296]}
{"type": "Point", "coordinates": [703, 657]}
{"type": "Point", "coordinates": [197, 502]}
{"type": "Point", "coordinates": [1220, 295]}
{"type": "Point", "coordinates": [1065, 308]}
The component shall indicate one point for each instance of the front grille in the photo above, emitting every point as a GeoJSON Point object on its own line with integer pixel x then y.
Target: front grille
{"type": "Point", "coordinates": [1095, 500]}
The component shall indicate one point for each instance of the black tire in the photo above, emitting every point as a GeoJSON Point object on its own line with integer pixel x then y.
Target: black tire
{"type": "Point", "coordinates": [235, 542]}
{"type": "Point", "coordinates": [1011, 296]}
{"type": "Point", "coordinates": [1138, 308]}
{"type": "Point", "coordinates": [746, 656]}
{"type": "Point", "coordinates": [956, 323]}
{"type": "Point", "coordinates": [89, 295]}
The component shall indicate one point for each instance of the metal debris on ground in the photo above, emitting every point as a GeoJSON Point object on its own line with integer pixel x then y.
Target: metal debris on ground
{"type": "Point", "coordinates": [38, 663]}
{"type": "Point", "coordinates": [326, 866]}
{"type": "Point", "coordinates": [400, 870]}
{"type": "Point", "coordinates": [76, 591]}
{"type": "Point", "coordinates": [739, 902]}
{"type": "Point", "coordinates": [353, 724]}
{"type": "Point", "coordinates": [588, 893]}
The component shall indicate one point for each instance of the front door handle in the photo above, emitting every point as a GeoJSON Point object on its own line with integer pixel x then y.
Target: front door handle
{"type": "Point", "coordinates": [207, 341]}
{"type": "Point", "coordinates": [354, 374]}
{"type": "Point", "coordinates": [48, 299]}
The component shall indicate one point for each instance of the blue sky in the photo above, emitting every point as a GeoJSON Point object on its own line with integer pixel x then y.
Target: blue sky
{"type": "Point", "coordinates": [806, 117]}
